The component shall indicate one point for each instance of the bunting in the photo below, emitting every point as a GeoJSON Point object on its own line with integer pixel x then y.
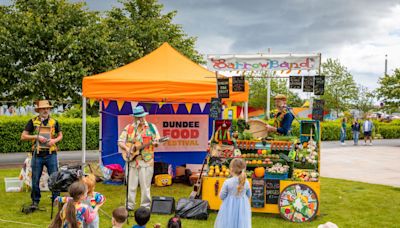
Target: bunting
{"type": "Point", "coordinates": [133, 105]}
{"type": "Point", "coordinates": [147, 106]}
{"type": "Point", "coordinates": [120, 104]}
{"type": "Point", "coordinates": [91, 102]}
{"type": "Point", "coordinates": [202, 106]}
{"type": "Point", "coordinates": [188, 107]}
{"type": "Point", "coordinates": [106, 103]}
{"type": "Point", "coordinates": [175, 107]}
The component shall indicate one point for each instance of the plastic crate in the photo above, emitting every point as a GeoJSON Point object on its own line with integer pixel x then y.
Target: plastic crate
{"type": "Point", "coordinates": [13, 184]}
{"type": "Point", "coordinates": [274, 176]}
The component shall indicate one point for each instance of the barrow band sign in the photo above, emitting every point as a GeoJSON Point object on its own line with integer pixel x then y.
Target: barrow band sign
{"type": "Point", "coordinates": [238, 84]}
{"type": "Point", "coordinates": [223, 87]}
{"type": "Point", "coordinates": [295, 82]}
{"type": "Point", "coordinates": [264, 62]}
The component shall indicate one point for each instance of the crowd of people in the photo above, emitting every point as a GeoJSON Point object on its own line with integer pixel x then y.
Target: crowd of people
{"type": "Point", "coordinates": [367, 127]}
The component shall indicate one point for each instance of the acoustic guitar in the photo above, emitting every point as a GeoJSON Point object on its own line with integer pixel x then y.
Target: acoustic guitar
{"type": "Point", "coordinates": [132, 154]}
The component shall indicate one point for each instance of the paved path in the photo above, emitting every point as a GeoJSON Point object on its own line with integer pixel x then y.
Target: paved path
{"type": "Point", "coordinates": [378, 164]}
{"type": "Point", "coordinates": [17, 159]}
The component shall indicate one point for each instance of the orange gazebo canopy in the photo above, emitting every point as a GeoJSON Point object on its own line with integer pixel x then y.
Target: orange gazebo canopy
{"type": "Point", "coordinates": [164, 75]}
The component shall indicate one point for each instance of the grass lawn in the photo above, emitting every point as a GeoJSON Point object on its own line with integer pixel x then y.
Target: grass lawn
{"type": "Point", "coordinates": [346, 203]}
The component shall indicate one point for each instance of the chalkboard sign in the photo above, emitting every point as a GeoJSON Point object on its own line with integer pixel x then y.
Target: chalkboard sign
{"type": "Point", "coordinates": [295, 82]}
{"type": "Point", "coordinates": [318, 110]}
{"type": "Point", "coordinates": [273, 191]}
{"type": "Point", "coordinates": [215, 108]}
{"type": "Point", "coordinates": [238, 84]}
{"type": "Point", "coordinates": [257, 192]}
{"type": "Point", "coordinates": [308, 84]}
{"type": "Point", "coordinates": [223, 87]}
{"type": "Point", "coordinates": [319, 85]}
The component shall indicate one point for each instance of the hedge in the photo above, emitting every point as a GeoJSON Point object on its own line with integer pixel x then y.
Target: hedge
{"type": "Point", "coordinates": [12, 127]}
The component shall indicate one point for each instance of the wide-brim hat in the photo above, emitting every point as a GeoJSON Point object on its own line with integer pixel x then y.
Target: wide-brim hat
{"type": "Point", "coordinates": [42, 104]}
{"type": "Point", "coordinates": [280, 97]}
{"type": "Point", "coordinates": [138, 111]}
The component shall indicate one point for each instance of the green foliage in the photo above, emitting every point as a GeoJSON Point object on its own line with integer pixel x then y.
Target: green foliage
{"type": "Point", "coordinates": [340, 88]}
{"type": "Point", "coordinates": [258, 92]}
{"type": "Point", "coordinates": [364, 100]}
{"type": "Point", "coordinates": [389, 90]}
{"type": "Point", "coordinates": [140, 27]}
{"type": "Point", "coordinates": [52, 44]}
{"type": "Point", "coordinates": [12, 127]}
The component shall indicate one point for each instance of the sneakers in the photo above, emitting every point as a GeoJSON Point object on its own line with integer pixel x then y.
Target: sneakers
{"type": "Point", "coordinates": [35, 205]}
{"type": "Point", "coordinates": [370, 144]}
{"type": "Point", "coordinates": [343, 143]}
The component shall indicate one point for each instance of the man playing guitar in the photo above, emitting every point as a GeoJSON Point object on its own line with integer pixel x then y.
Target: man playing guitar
{"type": "Point", "coordinates": [141, 169]}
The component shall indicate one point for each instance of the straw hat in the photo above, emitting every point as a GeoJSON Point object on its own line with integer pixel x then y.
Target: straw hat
{"type": "Point", "coordinates": [280, 97]}
{"type": "Point", "coordinates": [42, 104]}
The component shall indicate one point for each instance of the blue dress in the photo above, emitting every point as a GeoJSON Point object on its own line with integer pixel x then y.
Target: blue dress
{"type": "Point", "coordinates": [235, 211]}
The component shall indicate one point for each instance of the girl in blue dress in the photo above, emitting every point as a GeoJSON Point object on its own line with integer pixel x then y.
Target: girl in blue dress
{"type": "Point", "coordinates": [235, 211]}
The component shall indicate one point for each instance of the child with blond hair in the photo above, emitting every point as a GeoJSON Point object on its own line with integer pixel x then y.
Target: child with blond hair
{"type": "Point", "coordinates": [235, 209]}
{"type": "Point", "coordinates": [93, 198]}
{"type": "Point", "coordinates": [74, 213]}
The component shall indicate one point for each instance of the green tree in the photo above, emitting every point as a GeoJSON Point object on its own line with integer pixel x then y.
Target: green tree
{"type": "Point", "coordinates": [47, 48]}
{"type": "Point", "coordinates": [141, 26]}
{"type": "Point", "coordinates": [258, 92]}
{"type": "Point", "coordinates": [364, 100]}
{"type": "Point", "coordinates": [389, 90]}
{"type": "Point", "coordinates": [340, 88]}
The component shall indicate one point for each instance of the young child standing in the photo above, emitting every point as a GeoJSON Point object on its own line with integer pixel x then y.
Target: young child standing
{"type": "Point", "coordinates": [74, 213]}
{"type": "Point", "coordinates": [93, 198]}
{"type": "Point", "coordinates": [119, 216]}
{"type": "Point", "coordinates": [235, 211]}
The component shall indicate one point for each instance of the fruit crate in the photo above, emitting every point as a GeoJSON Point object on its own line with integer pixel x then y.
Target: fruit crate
{"type": "Point", "coordinates": [275, 176]}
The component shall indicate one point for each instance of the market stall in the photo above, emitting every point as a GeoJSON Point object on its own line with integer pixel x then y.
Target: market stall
{"type": "Point", "coordinates": [170, 87]}
{"type": "Point", "coordinates": [283, 171]}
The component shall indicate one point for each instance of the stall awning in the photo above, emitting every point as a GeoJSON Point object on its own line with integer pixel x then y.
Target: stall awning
{"type": "Point", "coordinates": [164, 75]}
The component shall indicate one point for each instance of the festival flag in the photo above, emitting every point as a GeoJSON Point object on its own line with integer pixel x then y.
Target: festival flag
{"type": "Point", "coordinates": [288, 72]}
{"type": "Point", "coordinates": [228, 103]}
{"type": "Point", "coordinates": [175, 107]}
{"type": "Point", "coordinates": [241, 116]}
{"type": "Point", "coordinates": [147, 106]}
{"type": "Point", "coordinates": [299, 72]}
{"type": "Point", "coordinates": [106, 103]}
{"type": "Point", "coordinates": [202, 106]}
{"type": "Point", "coordinates": [120, 104]}
{"type": "Point", "coordinates": [188, 107]}
{"type": "Point", "coordinates": [91, 102]}
{"type": "Point", "coordinates": [133, 105]}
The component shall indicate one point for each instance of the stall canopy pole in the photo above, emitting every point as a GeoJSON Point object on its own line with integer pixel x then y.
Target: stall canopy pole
{"type": "Point", "coordinates": [100, 130]}
{"type": "Point", "coordinates": [83, 131]}
{"type": "Point", "coordinates": [246, 111]}
{"type": "Point", "coordinates": [268, 97]}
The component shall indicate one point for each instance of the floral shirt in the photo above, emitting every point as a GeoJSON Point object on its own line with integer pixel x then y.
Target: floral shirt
{"type": "Point", "coordinates": [84, 213]}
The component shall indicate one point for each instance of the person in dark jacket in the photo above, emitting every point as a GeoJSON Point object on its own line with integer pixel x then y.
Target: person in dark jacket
{"type": "Point", "coordinates": [355, 128]}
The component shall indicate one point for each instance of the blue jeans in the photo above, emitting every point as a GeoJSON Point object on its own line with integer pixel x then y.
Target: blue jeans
{"type": "Point", "coordinates": [342, 136]}
{"type": "Point", "coordinates": [50, 161]}
{"type": "Point", "coordinates": [356, 135]}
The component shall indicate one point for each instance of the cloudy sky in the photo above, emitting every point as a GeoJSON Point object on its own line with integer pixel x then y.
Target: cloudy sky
{"type": "Point", "coordinates": [358, 33]}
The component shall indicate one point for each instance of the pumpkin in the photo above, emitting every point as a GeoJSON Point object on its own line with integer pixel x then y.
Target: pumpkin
{"type": "Point", "coordinates": [259, 172]}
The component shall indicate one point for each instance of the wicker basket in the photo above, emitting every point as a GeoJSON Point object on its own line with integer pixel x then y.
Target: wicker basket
{"type": "Point", "coordinates": [257, 128]}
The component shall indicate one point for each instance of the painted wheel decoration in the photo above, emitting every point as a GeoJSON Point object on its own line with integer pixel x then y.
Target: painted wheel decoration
{"type": "Point", "coordinates": [298, 203]}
